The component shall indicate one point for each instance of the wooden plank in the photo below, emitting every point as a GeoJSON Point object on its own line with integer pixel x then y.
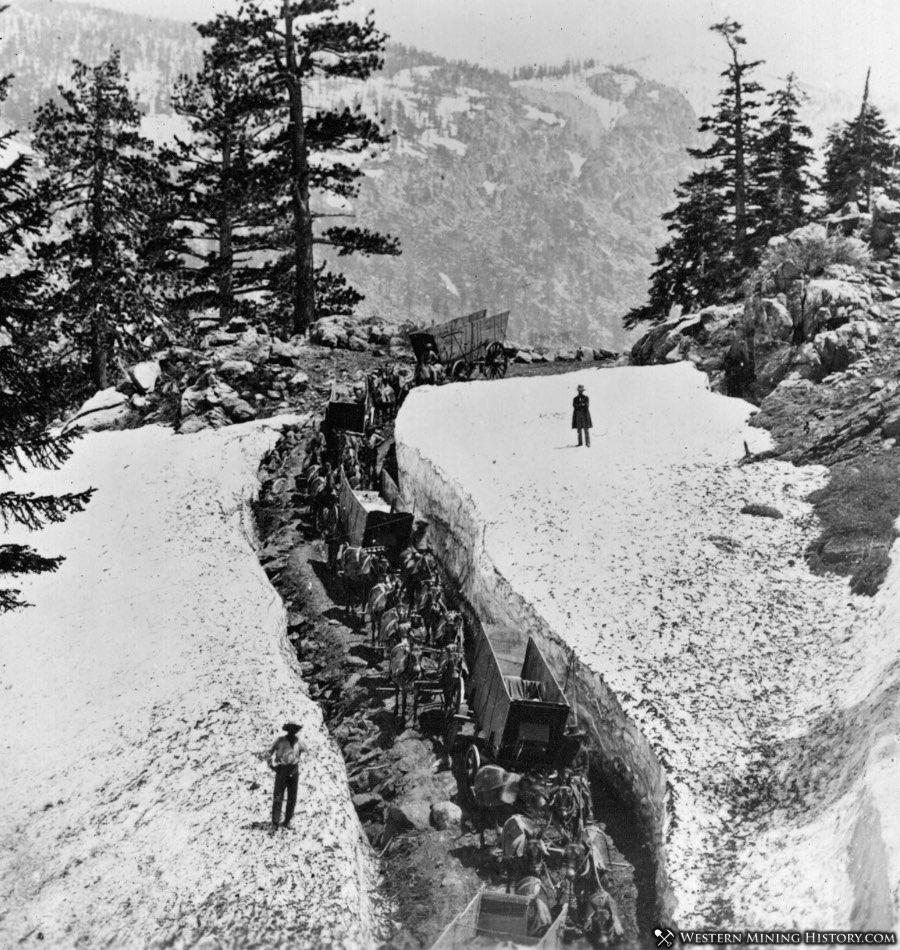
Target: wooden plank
{"type": "Point", "coordinates": [536, 667]}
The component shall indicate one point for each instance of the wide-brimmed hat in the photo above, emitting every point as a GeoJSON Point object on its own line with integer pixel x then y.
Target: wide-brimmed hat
{"type": "Point", "coordinates": [291, 727]}
{"type": "Point", "coordinates": [581, 389]}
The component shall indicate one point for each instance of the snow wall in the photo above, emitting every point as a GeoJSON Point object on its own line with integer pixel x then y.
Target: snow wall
{"type": "Point", "coordinates": [140, 696]}
{"type": "Point", "coordinates": [744, 709]}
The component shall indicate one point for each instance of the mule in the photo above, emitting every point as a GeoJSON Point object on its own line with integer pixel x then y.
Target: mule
{"type": "Point", "coordinates": [524, 849]}
{"type": "Point", "coordinates": [392, 626]}
{"type": "Point", "coordinates": [382, 596]}
{"type": "Point", "coordinates": [359, 569]}
{"type": "Point", "coordinates": [451, 671]}
{"type": "Point", "coordinates": [406, 668]}
{"type": "Point", "coordinates": [430, 604]}
{"type": "Point", "coordinates": [570, 804]}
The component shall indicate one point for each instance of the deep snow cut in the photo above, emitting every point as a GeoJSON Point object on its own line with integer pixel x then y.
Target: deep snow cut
{"type": "Point", "coordinates": [761, 687]}
{"type": "Point", "coordinates": [139, 697]}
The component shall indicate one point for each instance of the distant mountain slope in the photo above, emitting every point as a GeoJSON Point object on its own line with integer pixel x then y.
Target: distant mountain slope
{"type": "Point", "coordinates": [539, 195]}
{"type": "Point", "coordinates": [40, 38]}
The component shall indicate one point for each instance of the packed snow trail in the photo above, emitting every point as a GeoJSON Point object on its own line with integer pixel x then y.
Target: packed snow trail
{"type": "Point", "coordinates": [731, 657]}
{"type": "Point", "coordinates": [139, 697]}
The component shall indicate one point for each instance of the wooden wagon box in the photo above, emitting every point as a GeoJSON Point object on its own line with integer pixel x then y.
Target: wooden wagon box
{"type": "Point", "coordinates": [492, 918]}
{"type": "Point", "coordinates": [368, 520]}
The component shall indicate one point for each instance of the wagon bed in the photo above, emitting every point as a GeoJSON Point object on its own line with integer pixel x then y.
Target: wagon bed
{"type": "Point", "coordinates": [493, 919]}
{"type": "Point", "coordinates": [465, 343]}
{"type": "Point", "coordinates": [519, 709]}
{"type": "Point", "coordinates": [368, 520]}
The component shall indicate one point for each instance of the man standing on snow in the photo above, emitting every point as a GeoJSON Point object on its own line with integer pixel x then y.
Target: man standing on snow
{"type": "Point", "coordinates": [581, 416]}
{"type": "Point", "coordinates": [284, 761]}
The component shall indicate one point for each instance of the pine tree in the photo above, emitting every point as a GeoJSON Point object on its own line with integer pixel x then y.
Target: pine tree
{"type": "Point", "coordinates": [781, 176]}
{"type": "Point", "coordinates": [221, 183]}
{"type": "Point", "coordinates": [734, 127]}
{"type": "Point", "coordinates": [109, 193]}
{"type": "Point", "coordinates": [694, 268]}
{"type": "Point", "coordinates": [713, 239]}
{"type": "Point", "coordinates": [27, 383]}
{"type": "Point", "coordinates": [860, 155]}
{"type": "Point", "coordinates": [295, 44]}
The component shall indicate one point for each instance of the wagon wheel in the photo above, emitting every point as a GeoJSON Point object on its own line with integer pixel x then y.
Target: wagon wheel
{"type": "Point", "coordinates": [473, 764]}
{"type": "Point", "coordinates": [459, 370]}
{"type": "Point", "coordinates": [495, 361]}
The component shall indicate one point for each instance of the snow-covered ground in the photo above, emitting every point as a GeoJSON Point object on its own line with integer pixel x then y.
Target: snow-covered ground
{"type": "Point", "coordinates": [770, 691]}
{"type": "Point", "coordinates": [138, 699]}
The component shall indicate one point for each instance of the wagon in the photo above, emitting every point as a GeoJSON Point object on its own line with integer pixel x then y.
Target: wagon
{"type": "Point", "coordinates": [367, 520]}
{"type": "Point", "coordinates": [347, 415]}
{"type": "Point", "coordinates": [518, 709]}
{"type": "Point", "coordinates": [492, 918]}
{"type": "Point", "coordinates": [465, 344]}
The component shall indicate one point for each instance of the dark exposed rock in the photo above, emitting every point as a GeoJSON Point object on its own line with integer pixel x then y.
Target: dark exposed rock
{"type": "Point", "coordinates": [761, 511]}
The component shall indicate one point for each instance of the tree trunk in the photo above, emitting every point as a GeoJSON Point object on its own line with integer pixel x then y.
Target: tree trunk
{"type": "Point", "coordinates": [740, 172]}
{"type": "Point", "coordinates": [226, 249]}
{"type": "Point", "coordinates": [304, 302]}
{"type": "Point", "coordinates": [99, 327]}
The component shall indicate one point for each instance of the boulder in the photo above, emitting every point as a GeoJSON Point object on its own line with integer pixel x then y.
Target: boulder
{"type": "Point", "coordinates": [565, 356]}
{"type": "Point", "coordinates": [356, 343]}
{"type": "Point", "coordinates": [235, 369]}
{"type": "Point", "coordinates": [809, 232]}
{"type": "Point", "coordinates": [768, 319]}
{"type": "Point", "coordinates": [885, 211]}
{"type": "Point", "coordinates": [213, 419]}
{"type": "Point", "coordinates": [773, 360]}
{"type": "Point", "coordinates": [238, 409]}
{"type": "Point", "coordinates": [805, 362]}
{"type": "Point", "coordinates": [446, 815]}
{"type": "Point", "coordinates": [834, 353]}
{"type": "Point", "coordinates": [407, 816]}
{"type": "Point", "coordinates": [252, 346]}
{"type": "Point", "coordinates": [601, 354]}
{"type": "Point", "coordinates": [328, 331]}
{"type": "Point", "coordinates": [283, 353]}
{"type": "Point", "coordinates": [106, 409]}
{"type": "Point", "coordinates": [522, 356]}
{"type": "Point", "coordinates": [146, 374]}
{"type": "Point", "coordinates": [299, 381]}
{"type": "Point", "coordinates": [890, 428]}
{"type": "Point", "coordinates": [220, 338]}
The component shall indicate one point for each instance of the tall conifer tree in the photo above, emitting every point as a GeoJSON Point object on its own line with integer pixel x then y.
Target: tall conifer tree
{"type": "Point", "coordinates": [28, 384]}
{"type": "Point", "coordinates": [108, 192]}
{"type": "Point", "coordinates": [781, 176]}
{"type": "Point", "coordinates": [860, 155]}
{"type": "Point", "coordinates": [294, 45]}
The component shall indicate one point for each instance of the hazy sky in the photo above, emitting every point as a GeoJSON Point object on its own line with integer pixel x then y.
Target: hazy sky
{"type": "Point", "coordinates": [828, 43]}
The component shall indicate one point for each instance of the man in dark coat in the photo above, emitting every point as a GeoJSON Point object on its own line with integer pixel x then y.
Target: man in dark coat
{"type": "Point", "coordinates": [284, 761]}
{"type": "Point", "coordinates": [581, 417]}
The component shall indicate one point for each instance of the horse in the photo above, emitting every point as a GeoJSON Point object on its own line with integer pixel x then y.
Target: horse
{"type": "Point", "coordinates": [320, 496]}
{"type": "Point", "coordinates": [542, 899]}
{"type": "Point", "coordinates": [451, 670]}
{"type": "Point", "coordinates": [524, 848]}
{"type": "Point", "coordinates": [382, 596]}
{"type": "Point", "coordinates": [406, 668]}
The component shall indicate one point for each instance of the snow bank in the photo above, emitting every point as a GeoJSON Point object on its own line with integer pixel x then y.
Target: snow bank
{"type": "Point", "coordinates": [139, 698]}
{"type": "Point", "coordinates": [715, 653]}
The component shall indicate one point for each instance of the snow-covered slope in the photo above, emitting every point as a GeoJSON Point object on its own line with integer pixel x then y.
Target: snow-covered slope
{"type": "Point", "coordinates": [139, 697]}
{"type": "Point", "coordinates": [767, 692]}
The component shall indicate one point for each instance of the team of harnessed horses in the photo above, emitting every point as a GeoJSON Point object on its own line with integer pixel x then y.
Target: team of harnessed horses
{"type": "Point", "coordinates": [552, 849]}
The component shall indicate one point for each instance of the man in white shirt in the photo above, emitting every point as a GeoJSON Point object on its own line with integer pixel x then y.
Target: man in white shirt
{"type": "Point", "coordinates": [284, 761]}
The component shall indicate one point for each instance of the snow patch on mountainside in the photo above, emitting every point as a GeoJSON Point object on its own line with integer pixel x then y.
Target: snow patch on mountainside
{"type": "Point", "coordinates": [576, 84]}
{"type": "Point", "coordinates": [139, 698]}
